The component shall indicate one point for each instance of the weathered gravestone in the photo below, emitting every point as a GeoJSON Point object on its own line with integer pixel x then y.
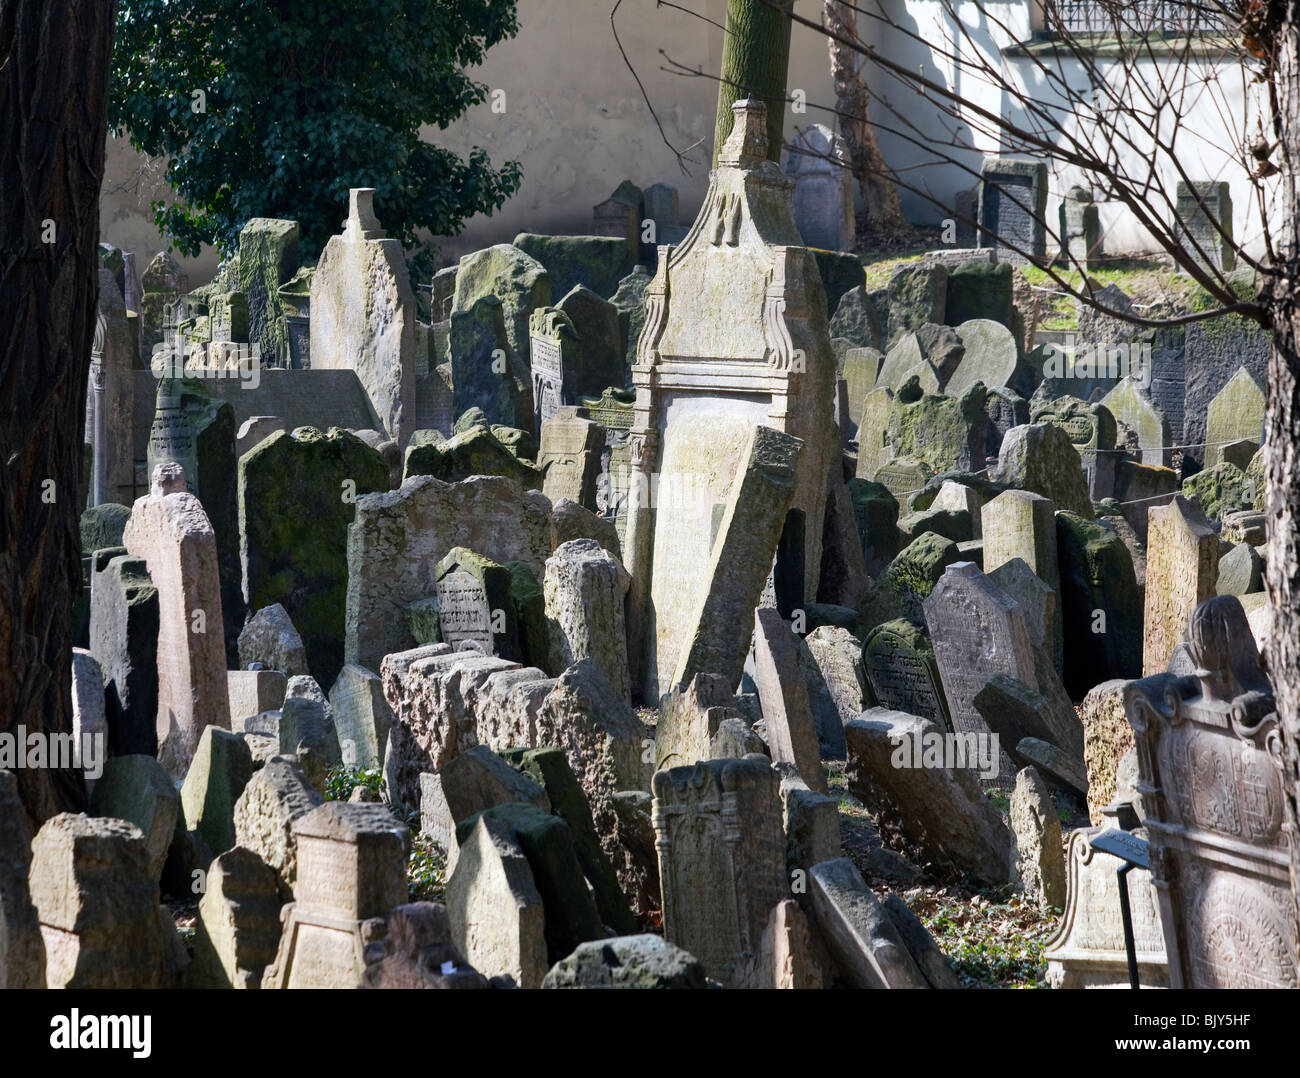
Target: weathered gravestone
{"type": "Point", "coordinates": [1013, 208]}
{"type": "Point", "coordinates": [1080, 229]}
{"type": "Point", "coordinates": [1236, 412]}
{"type": "Point", "coordinates": [124, 623]}
{"type": "Point", "coordinates": [584, 588]}
{"type": "Point", "coordinates": [620, 215]}
{"type": "Point", "coordinates": [1131, 406]}
{"type": "Point", "coordinates": [163, 283]}
{"type": "Point", "coordinates": [721, 860]}
{"type": "Point", "coordinates": [992, 357]}
{"type": "Point", "coordinates": [170, 531]}
{"type": "Point", "coordinates": [823, 188]}
{"type": "Point", "coordinates": [1203, 222]}
{"type": "Point", "coordinates": [1182, 568]}
{"type": "Point", "coordinates": [569, 456]}
{"type": "Point", "coordinates": [1213, 790]}
{"type": "Point", "coordinates": [977, 631]}
{"type": "Point", "coordinates": [363, 314]}
{"type": "Point", "coordinates": [268, 259]}
{"type": "Point", "coordinates": [351, 869]}
{"type": "Point", "coordinates": [475, 608]}
{"type": "Point", "coordinates": [787, 715]}
{"type": "Point", "coordinates": [899, 661]}
{"type": "Point", "coordinates": [297, 497]}
{"type": "Point", "coordinates": [362, 716]}
{"type": "Point", "coordinates": [519, 281]}
{"type": "Point", "coordinates": [1088, 949]}
{"type": "Point", "coordinates": [735, 340]}
{"type": "Point", "coordinates": [487, 372]}
{"type": "Point", "coordinates": [97, 903]}
{"type": "Point", "coordinates": [398, 538]}
{"type": "Point", "coordinates": [1041, 458]}
{"type": "Point", "coordinates": [110, 397]}
{"type": "Point", "coordinates": [197, 431]}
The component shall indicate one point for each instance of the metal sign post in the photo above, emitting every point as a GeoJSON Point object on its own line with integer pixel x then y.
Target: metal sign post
{"type": "Point", "coordinates": [1132, 851]}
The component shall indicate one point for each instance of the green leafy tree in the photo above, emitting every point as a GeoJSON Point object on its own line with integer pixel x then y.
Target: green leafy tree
{"type": "Point", "coordinates": [277, 108]}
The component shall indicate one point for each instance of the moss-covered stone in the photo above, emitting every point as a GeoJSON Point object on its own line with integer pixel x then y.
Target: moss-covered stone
{"type": "Point", "coordinates": [1101, 604]}
{"type": "Point", "coordinates": [954, 524]}
{"type": "Point", "coordinates": [840, 272]}
{"type": "Point", "coordinates": [908, 580]}
{"type": "Point", "coordinates": [521, 443]}
{"type": "Point", "coordinates": [917, 295]}
{"type": "Point", "coordinates": [422, 620]}
{"type": "Point", "coordinates": [475, 451]}
{"type": "Point", "coordinates": [550, 769]}
{"type": "Point", "coordinates": [297, 494]}
{"type": "Point", "coordinates": [1220, 490]}
{"type": "Point", "coordinates": [944, 432]}
{"type": "Point", "coordinates": [875, 511]}
{"type": "Point", "coordinates": [979, 290]}
{"type": "Point", "coordinates": [268, 258]}
{"type": "Point", "coordinates": [102, 526]}
{"type": "Point", "coordinates": [598, 262]}
{"type": "Point", "coordinates": [497, 582]}
{"type": "Point", "coordinates": [518, 280]}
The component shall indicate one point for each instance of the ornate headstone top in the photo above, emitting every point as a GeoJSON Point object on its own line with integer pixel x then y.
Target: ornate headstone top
{"type": "Point", "coordinates": [746, 146]}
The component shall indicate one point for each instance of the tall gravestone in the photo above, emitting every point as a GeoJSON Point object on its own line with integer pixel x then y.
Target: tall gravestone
{"type": "Point", "coordinates": [1182, 569]}
{"type": "Point", "coordinates": [735, 336]}
{"type": "Point", "coordinates": [171, 532]}
{"type": "Point", "coordinates": [1013, 208]}
{"type": "Point", "coordinates": [1203, 222]}
{"type": "Point", "coordinates": [363, 314]}
{"type": "Point", "coordinates": [110, 397]}
{"type": "Point", "coordinates": [823, 188]}
{"type": "Point", "coordinates": [1212, 780]}
{"type": "Point", "coordinates": [721, 859]}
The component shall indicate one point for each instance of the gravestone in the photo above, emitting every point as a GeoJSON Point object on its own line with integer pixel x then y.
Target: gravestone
{"type": "Point", "coordinates": [297, 497]}
{"type": "Point", "coordinates": [735, 339]}
{"type": "Point", "coordinates": [614, 411]}
{"type": "Point", "coordinates": [519, 281]}
{"type": "Point", "coordinates": [620, 215]}
{"type": "Point", "coordinates": [856, 320]}
{"type": "Point", "coordinates": [197, 431]}
{"type": "Point", "coordinates": [787, 714]}
{"type": "Point", "coordinates": [899, 662]}
{"type": "Point", "coordinates": [660, 205]}
{"type": "Point", "coordinates": [487, 373]}
{"type": "Point", "coordinates": [1087, 950]}
{"type": "Point", "coordinates": [1236, 412]}
{"type": "Point", "coordinates": [720, 877]}
{"type": "Point", "coordinates": [585, 587]}
{"type": "Point", "coordinates": [945, 433]}
{"type": "Point", "coordinates": [597, 353]}
{"type": "Point", "coordinates": [124, 623]}
{"type": "Point", "coordinates": [362, 717]}
{"type": "Point", "coordinates": [1013, 208]}
{"type": "Point", "coordinates": [399, 537]}
{"type": "Point", "coordinates": [979, 289]}
{"type": "Point", "coordinates": [268, 259]}
{"type": "Point", "coordinates": [161, 285]}
{"type": "Point", "coordinates": [992, 357]}
{"type": "Point", "coordinates": [1216, 349]}
{"type": "Point", "coordinates": [823, 188]}
{"type": "Point", "coordinates": [110, 397]}
{"type": "Point", "coordinates": [917, 297]}
{"type": "Point", "coordinates": [976, 631]}
{"type": "Point", "coordinates": [475, 609]}
{"type": "Point", "coordinates": [97, 904]}
{"type": "Point", "coordinates": [1080, 230]}
{"type": "Point", "coordinates": [238, 925]}
{"type": "Point", "coordinates": [1041, 458]}
{"type": "Point", "coordinates": [874, 449]}
{"type": "Point", "coordinates": [569, 456]}
{"type": "Point", "coordinates": [1182, 568]}
{"type": "Point", "coordinates": [1213, 789]}
{"type": "Point", "coordinates": [170, 531]}
{"type": "Point", "coordinates": [351, 869]}
{"type": "Point", "coordinates": [630, 301]}
{"type": "Point", "coordinates": [363, 314]}
{"type": "Point", "coordinates": [1130, 406]}
{"type": "Point", "coordinates": [1022, 524]}
{"type": "Point", "coordinates": [1203, 222]}
{"type": "Point", "coordinates": [598, 262]}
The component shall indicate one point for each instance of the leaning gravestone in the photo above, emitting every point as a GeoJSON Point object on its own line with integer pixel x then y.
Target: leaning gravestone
{"type": "Point", "coordinates": [1214, 792]}
{"type": "Point", "coordinates": [170, 531]}
{"type": "Point", "coordinates": [630, 301]}
{"type": "Point", "coordinates": [363, 314]}
{"type": "Point", "coordinates": [362, 717]}
{"type": "Point", "coordinates": [734, 322]}
{"type": "Point", "coordinates": [269, 257]}
{"type": "Point", "coordinates": [1182, 568]}
{"type": "Point", "coordinates": [900, 665]}
{"type": "Point", "coordinates": [297, 495]}
{"type": "Point", "coordinates": [977, 631]}
{"type": "Point", "coordinates": [719, 882]}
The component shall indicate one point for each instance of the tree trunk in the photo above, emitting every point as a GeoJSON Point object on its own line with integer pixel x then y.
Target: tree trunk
{"type": "Point", "coordinates": [54, 72]}
{"type": "Point", "coordinates": [882, 209]}
{"type": "Point", "coordinates": [1283, 439]}
{"type": "Point", "coordinates": [755, 62]}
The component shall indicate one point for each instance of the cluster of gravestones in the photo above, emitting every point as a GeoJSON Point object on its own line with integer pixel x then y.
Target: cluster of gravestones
{"type": "Point", "coordinates": [789, 520]}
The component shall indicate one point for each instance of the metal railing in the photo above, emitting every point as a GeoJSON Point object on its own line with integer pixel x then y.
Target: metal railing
{"type": "Point", "coordinates": [1129, 17]}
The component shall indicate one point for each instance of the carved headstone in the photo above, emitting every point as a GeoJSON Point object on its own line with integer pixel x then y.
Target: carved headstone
{"type": "Point", "coordinates": [1182, 569]}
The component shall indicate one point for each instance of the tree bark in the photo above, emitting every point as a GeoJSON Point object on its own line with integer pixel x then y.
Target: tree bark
{"type": "Point", "coordinates": [755, 62]}
{"type": "Point", "coordinates": [54, 73]}
{"type": "Point", "coordinates": [1283, 439]}
{"type": "Point", "coordinates": [882, 208]}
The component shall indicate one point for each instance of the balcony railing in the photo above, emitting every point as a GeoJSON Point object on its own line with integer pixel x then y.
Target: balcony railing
{"type": "Point", "coordinates": [1128, 18]}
